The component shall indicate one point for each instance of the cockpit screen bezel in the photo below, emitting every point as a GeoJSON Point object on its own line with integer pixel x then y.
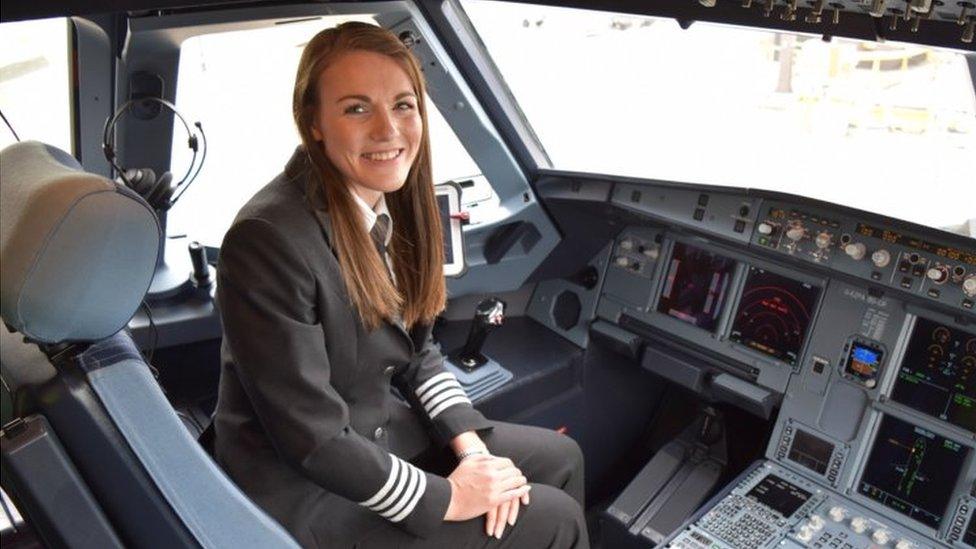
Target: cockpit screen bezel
{"type": "Point", "coordinates": [911, 349]}
{"type": "Point", "coordinates": [723, 296]}
{"type": "Point", "coordinates": [758, 269]}
{"type": "Point", "coordinates": [963, 474]}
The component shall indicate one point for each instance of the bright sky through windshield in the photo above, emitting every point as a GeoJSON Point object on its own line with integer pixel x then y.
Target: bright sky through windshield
{"type": "Point", "coordinates": [886, 128]}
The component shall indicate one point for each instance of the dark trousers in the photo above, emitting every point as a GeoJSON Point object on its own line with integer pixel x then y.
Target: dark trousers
{"type": "Point", "coordinates": [552, 462]}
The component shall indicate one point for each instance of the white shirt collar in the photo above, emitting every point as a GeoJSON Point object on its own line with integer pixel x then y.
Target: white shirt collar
{"type": "Point", "coordinates": [370, 215]}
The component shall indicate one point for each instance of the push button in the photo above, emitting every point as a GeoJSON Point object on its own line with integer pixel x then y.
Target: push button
{"type": "Point", "coordinates": [388, 371]}
{"type": "Point", "coordinates": [378, 433]}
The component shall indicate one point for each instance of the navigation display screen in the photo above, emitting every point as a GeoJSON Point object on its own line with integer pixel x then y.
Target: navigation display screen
{"type": "Point", "coordinates": [779, 495]}
{"type": "Point", "coordinates": [912, 470]}
{"type": "Point", "coordinates": [810, 452]}
{"type": "Point", "coordinates": [696, 286]}
{"type": "Point", "coordinates": [938, 373]}
{"type": "Point", "coordinates": [774, 314]}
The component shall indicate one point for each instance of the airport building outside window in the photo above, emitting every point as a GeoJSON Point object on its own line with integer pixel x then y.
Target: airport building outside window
{"type": "Point", "coordinates": [889, 128]}
{"type": "Point", "coordinates": [35, 82]}
{"type": "Point", "coordinates": [239, 85]}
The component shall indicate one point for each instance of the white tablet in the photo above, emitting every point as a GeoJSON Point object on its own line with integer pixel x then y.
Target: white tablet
{"type": "Point", "coordinates": [449, 203]}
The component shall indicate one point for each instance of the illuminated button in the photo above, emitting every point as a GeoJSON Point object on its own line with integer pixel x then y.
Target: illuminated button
{"type": "Point", "coordinates": [816, 522]}
{"type": "Point", "coordinates": [904, 544]}
{"type": "Point", "coordinates": [652, 252]}
{"type": "Point", "coordinates": [626, 244]}
{"type": "Point", "coordinates": [859, 525]}
{"type": "Point", "coordinates": [765, 228]}
{"type": "Point", "coordinates": [622, 261]}
{"type": "Point", "coordinates": [805, 534]}
{"type": "Point", "coordinates": [837, 513]}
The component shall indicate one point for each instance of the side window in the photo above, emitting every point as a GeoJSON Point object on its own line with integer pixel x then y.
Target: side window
{"type": "Point", "coordinates": [239, 85]}
{"type": "Point", "coordinates": [35, 82]}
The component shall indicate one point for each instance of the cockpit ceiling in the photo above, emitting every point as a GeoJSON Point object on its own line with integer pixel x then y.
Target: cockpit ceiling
{"type": "Point", "coordinates": [938, 23]}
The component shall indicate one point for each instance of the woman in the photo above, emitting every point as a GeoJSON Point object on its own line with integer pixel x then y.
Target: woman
{"type": "Point", "coordinates": [329, 282]}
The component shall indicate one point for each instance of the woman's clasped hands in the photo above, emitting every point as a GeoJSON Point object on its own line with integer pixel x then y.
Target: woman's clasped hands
{"type": "Point", "coordinates": [487, 485]}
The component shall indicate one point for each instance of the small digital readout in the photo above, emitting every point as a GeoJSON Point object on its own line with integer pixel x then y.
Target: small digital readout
{"type": "Point", "coordinates": [810, 452]}
{"type": "Point", "coordinates": [912, 470]}
{"type": "Point", "coordinates": [696, 286]}
{"type": "Point", "coordinates": [779, 495]}
{"type": "Point", "coordinates": [863, 363]}
{"type": "Point", "coordinates": [774, 314]}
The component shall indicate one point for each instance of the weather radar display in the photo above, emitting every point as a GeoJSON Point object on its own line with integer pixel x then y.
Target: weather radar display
{"type": "Point", "coordinates": [774, 314]}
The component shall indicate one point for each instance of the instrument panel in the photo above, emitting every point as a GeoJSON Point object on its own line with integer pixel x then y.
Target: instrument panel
{"type": "Point", "coordinates": [861, 326]}
{"type": "Point", "coordinates": [939, 271]}
{"type": "Point", "coordinates": [878, 410]}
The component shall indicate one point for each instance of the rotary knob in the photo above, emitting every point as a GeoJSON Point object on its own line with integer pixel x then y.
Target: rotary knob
{"type": "Point", "coordinates": [859, 525]}
{"type": "Point", "coordinates": [938, 274]}
{"type": "Point", "coordinates": [856, 250]}
{"type": "Point", "coordinates": [837, 513]}
{"type": "Point", "coordinates": [969, 286]}
{"type": "Point", "coordinates": [816, 522]}
{"type": "Point", "coordinates": [795, 232]}
{"type": "Point", "coordinates": [881, 537]}
{"type": "Point", "coordinates": [904, 544]}
{"type": "Point", "coordinates": [823, 240]}
{"type": "Point", "coordinates": [881, 258]}
{"type": "Point", "coordinates": [765, 228]}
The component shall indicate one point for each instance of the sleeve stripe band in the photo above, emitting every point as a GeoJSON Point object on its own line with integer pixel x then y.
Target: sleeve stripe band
{"type": "Point", "coordinates": [433, 381]}
{"type": "Point", "coordinates": [403, 489]}
{"type": "Point", "coordinates": [436, 389]}
{"type": "Point", "coordinates": [441, 397]}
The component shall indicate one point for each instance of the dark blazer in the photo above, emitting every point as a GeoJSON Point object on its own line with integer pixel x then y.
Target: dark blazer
{"type": "Point", "coordinates": [305, 410]}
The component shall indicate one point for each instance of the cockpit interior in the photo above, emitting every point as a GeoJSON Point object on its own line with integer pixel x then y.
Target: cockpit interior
{"type": "Point", "coordinates": [727, 246]}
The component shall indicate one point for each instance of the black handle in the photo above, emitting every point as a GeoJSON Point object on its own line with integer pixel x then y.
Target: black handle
{"type": "Point", "coordinates": [489, 314]}
{"type": "Point", "coordinates": [201, 270]}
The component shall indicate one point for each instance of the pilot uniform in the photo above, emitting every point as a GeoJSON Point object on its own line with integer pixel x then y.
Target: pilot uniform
{"type": "Point", "coordinates": [306, 423]}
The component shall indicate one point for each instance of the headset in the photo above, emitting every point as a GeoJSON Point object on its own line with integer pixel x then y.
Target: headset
{"type": "Point", "coordinates": [160, 193]}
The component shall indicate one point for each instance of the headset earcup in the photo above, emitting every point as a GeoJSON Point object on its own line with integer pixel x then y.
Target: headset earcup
{"type": "Point", "coordinates": [162, 192]}
{"type": "Point", "coordinates": [141, 181]}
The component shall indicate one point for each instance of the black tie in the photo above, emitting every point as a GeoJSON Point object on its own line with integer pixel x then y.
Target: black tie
{"type": "Point", "coordinates": [378, 234]}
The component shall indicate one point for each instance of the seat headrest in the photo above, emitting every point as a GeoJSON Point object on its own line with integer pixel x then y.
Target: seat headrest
{"type": "Point", "coordinates": [77, 250]}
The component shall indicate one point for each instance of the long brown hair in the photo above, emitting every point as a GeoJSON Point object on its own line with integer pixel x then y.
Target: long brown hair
{"type": "Point", "coordinates": [417, 247]}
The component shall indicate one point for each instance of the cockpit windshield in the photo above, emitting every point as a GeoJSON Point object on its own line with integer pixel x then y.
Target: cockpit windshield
{"type": "Point", "coordinates": [889, 128]}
